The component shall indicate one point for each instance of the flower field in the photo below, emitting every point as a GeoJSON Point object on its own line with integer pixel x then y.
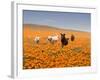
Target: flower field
{"type": "Point", "coordinates": [46, 55]}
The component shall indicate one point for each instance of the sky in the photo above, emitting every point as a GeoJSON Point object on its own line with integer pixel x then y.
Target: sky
{"type": "Point", "coordinates": [65, 20]}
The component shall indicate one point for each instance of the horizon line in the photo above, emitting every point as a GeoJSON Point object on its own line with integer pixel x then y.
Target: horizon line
{"type": "Point", "coordinates": [57, 27]}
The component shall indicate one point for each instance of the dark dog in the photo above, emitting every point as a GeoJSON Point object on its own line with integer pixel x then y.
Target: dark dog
{"type": "Point", "coordinates": [72, 37]}
{"type": "Point", "coordinates": [64, 40]}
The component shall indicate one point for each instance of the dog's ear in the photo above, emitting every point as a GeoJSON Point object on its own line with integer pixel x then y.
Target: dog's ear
{"type": "Point", "coordinates": [64, 34]}
{"type": "Point", "coordinates": [67, 38]}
